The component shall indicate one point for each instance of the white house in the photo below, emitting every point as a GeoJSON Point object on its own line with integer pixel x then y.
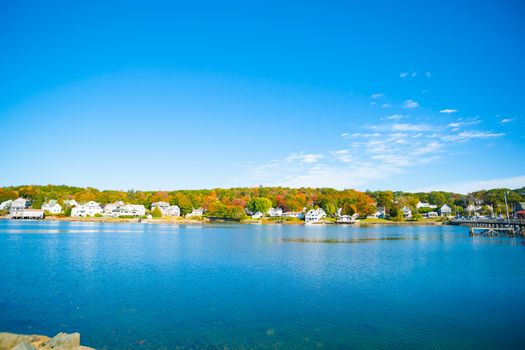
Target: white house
{"type": "Point", "coordinates": [431, 214]}
{"type": "Point", "coordinates": [52, 207]}
{"type": "Point", "coordinates": [6, 205]}
{"type": "Point", "coordinates": [195, 212]}
{"type": "Point", "coordinates": [20, 203]}
{"type": "Point", "coordinates": [425, 205]}
{"type": "Point", "coordinates": [90, 208]}
{"type": "Point", "coordinates": [294, 214]}
{"type": "Point", "coordinates": [315, 215]}
{"type": "Point", "coordinates": [407, 213]}
{"type": "Point", "coordinates": [129, 210]}
{"type": "Point", "coordinates": [170, 210]}
{"type": "Point", "coordinates": [473, 208]}
{"type": "Point", "coordinates": [257, 215]}
{"type": "Point", "coordinates": [380, 213]}
{"type": "Point", "coordinates": [29, 214]}
{"type": "Point", "coordinates": [445, 210]}
{"type": "Point", "coordinates": [70, 203]}
{"type": "Point", "coordinates": [163, 205]}
{"type": "Point", "coordinates": [110, 207]}
{"type": "Point", "coordinates": [274, 212]}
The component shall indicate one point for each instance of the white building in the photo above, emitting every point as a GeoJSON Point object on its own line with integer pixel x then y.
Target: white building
{"type": "Point", "coordinates": [407, 213]}
{"type": "Point", "coordinates": [129, 210]}
{"type": "Point", "coordinates": [171, 210]}
{"type": "Point", "coordinates": [195, 212]}
{"type": "Point", "coordinates": [431, 214]}
{"type": "Point", "coordinates": [425, 205]}
{"type": "Point", "coordinates": [380, 213]}
{"type": "Point", "coordinates": [90, 208]}
{"type": "Point", "coordinates": [257, 215]}
{"type": "Point", "coordinates": [294, 214]}
{"type": "Point", "coordinates": [473, 208]}
{"type": "Point", "coordinates": [52, 207]}
{"type": "Point", "coordinates": [163, 205]}
{"type": "Point", "coordinates": [70, 203]}
{"type": "Point", "coordinates": [110, 207]}
{"type": "Point", "coordinates": [27, 214]}
{"type": "Point", "coordinates": [20, 203]}
{"type": "Point", "coordinates": [6, 205]}
{"type": "Point", "coordinates": [445, 210]}
{"type": "Point", "coordinates": [275, 212]}
{"type": "Point", "coordinates": [315, 215]}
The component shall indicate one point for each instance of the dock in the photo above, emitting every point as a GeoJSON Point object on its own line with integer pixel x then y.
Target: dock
{"type": "Point", "coordinates": [492, 227]}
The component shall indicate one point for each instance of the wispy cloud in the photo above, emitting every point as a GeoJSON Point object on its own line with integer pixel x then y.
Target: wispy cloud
{"type": "Point", "coordinates": [448, 110]}
{"type": "Point", "coordinates": [305, 158]}
{"type": "Point", "coordinates": [378, 95]}
{"type": "Point", "coordinates": [471, 186]}
{"type": "Point", "coordinates": [403, 74]}
{"type": "Point", "coordinates": [395, 117]}
{"type": "Point", "coordinates": [411, 127]}
{"type": "Point", "coordinates": [506, 120]}
{"type": "Point", "coordinates": [386, 105]}
{"type": "Point", "coordinates": [410, 104]}
{"type": "Point", "coordinates": [467, 135]}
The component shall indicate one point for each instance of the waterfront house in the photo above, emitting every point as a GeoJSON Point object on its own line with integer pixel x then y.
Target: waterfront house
{"type": "Point", "coordinates": [27, 214]}
{"type": "Point", "coordinates": [407, 213]}
{"type": "Point", "coordinates": [20, 203]}
{"type": "Point", "coordinates": [294, 214]}
{"type": "Point", "coordinates": [346, 219]}
{"type": "Point", "coordinates": [70, 203]}
{"type": "Point", "coordinates": [52, 207]}
{"type": "Point", "coordinates": [425, 205]}
{"type": "Point", "coordinates": [90, 208]}
{"type": "Point", "coordinates": [445, 210]}
{"type": "Point", "coordinates": [6, 205]}
{"type": "Point", "coordinates": [163, 205]}
{"type": "Point", "coordinates": [275, 212]}
{"type": "Point", "coordinates": [431, 214]}
{"type": "Point", "coordinates": [257, 215]}
{"type": "Point", "coordinates": [110, 207]}
{"type": "Point", "coordinates": [380, 213]}
{"type": "Point", "coordinates": [195, 212]}
{"type": "Point", "coordinates": [315, 215]}
{"type": "Point", "coordinates": [473, 208]}
{"type": "Point", "coordinates": [129, 210]}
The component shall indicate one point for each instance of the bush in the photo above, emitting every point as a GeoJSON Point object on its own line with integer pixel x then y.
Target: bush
{"type": "Point", "coordinates": [156, 213]}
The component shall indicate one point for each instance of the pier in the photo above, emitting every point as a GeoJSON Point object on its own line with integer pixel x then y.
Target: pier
{"type": "Point", "coordinates": [492, 227]}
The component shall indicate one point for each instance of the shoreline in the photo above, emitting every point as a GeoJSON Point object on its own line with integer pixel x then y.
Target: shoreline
{"type": "Point", "coordinates": [183, 221]}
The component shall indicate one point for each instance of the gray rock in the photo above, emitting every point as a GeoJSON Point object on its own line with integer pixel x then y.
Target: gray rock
{"type": "Point", "coordinates": [24, 346]}
{"type": "Point", "coordinates": [63, 341]}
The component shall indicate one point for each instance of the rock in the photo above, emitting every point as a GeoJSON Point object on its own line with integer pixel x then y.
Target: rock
{"type": "Point", "coordinates": [63, 341]}
{"type": "Point", "coordinates": [24, 346]}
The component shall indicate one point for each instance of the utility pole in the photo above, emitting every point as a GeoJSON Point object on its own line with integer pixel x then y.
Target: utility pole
{"type": "Point", "coordinates": [507, 207]}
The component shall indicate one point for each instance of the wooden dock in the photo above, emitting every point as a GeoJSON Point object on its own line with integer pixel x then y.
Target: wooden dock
{"type": "Point", "coordinates": [492, 227]}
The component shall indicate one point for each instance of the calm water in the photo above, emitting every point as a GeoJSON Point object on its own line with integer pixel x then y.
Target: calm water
{"type": "Point", "coordinates": [133, 286]}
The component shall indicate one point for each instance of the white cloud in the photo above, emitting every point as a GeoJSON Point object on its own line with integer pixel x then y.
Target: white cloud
{"type": "Point", "coordinates": [448, 110]}
{"type": "Point", "coordinates": [467, 135]}
{"type": "Point", "coordinates": [394, 117]}
{"type": "Point", "coordinates": [305, 158]}
{"type": "Point", "coordinates": [471, 186]}
{"type": "Point", "coordinates": [506, 120]}
{"type": "Point", "coordinates": [386, 105]}
{"type": "Point", "coordinates": [403, 74]}
{"type": "Point", "coordinates": [411, 127]}
{"type": "Point", "coordinates": [345, 134]}
{"type": "Point", "coordinates": [410, 104]}
{"type": "Point", "coordinates": [378, 95]}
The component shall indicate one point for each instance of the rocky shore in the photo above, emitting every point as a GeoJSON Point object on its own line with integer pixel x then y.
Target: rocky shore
{"type": "Point", "coordinates": [61, 341]}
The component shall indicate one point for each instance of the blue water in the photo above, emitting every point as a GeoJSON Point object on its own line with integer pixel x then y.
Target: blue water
{"type": "Point", "coordinates": [140, 286]}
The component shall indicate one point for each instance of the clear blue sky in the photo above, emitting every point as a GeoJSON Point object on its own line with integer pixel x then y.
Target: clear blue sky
{"type": "Point", "coordinates": [402, 95]}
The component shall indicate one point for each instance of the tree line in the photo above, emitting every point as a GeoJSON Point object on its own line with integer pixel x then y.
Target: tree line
{"type": "Point", "coordinates": [231, 203]}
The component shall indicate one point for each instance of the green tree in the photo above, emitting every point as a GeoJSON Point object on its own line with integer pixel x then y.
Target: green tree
{"type": "Point", "coordinates": [156, 213]}
{"type": "Point", "coordinates": [261, 204]}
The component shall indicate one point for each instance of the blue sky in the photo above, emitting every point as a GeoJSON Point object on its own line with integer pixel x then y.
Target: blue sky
{"type": "Point", "coordinates": [151, 95]}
